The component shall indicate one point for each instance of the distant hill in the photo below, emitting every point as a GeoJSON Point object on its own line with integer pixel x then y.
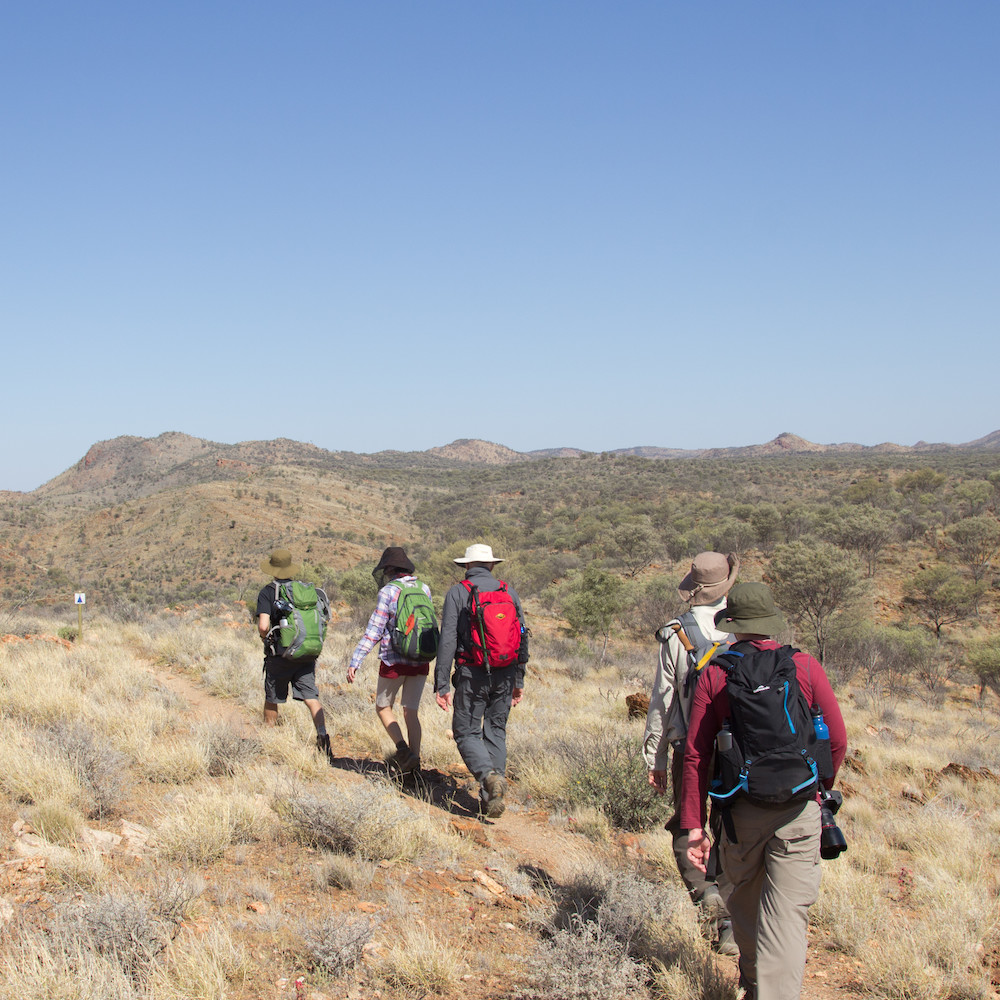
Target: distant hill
{"type": "Point", "coordinates": [177, 517]}
{"type": "Point", "coordinates": [127, 468]}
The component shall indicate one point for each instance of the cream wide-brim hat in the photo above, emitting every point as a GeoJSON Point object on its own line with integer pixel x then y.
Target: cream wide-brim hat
{"type": "Point", "coordinates": [478, 553]}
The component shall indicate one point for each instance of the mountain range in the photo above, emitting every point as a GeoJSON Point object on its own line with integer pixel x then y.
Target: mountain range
{"type": "Point", "coordinates": [128, 467]}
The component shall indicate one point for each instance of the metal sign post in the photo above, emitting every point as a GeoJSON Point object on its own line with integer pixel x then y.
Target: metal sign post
{"type": "Point", "coordinates": [80, 600]}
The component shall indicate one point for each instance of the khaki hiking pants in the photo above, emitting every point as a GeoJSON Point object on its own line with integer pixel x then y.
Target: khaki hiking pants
{"type": "Point", "coordinates": [774, 871]}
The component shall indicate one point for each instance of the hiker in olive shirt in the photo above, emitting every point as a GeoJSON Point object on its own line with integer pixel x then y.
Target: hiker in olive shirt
{"type": "Point", "coordinates": [483, 697]}
{"type": "Point", "coordinates": [279, 672]}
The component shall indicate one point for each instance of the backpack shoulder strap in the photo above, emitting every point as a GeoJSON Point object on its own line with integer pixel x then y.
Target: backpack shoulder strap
{"type": "Point", "coordinates": [693, 629]}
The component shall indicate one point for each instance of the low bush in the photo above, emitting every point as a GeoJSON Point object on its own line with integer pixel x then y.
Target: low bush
{"type": "Point", "coordinates": [336, 943]}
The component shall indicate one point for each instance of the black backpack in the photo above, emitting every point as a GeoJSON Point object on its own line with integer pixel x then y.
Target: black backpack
{"type": "Point", "coordinates": [767, 748]}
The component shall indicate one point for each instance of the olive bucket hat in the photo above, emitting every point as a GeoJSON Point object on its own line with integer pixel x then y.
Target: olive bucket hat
{"type": "Point", "coordinates": [280, 565]}
{"type": "Point", "coordinates": [750, 609]}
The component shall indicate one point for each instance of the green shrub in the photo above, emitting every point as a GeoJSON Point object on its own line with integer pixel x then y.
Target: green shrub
{"type": "Point", "coordinates": [610, 774]}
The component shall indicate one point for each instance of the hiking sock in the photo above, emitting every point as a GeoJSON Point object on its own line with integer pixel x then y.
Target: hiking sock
{"type": "Point", "coordinates": [321, 731]}
{"type": "Point", "coordinates": [401, 746]}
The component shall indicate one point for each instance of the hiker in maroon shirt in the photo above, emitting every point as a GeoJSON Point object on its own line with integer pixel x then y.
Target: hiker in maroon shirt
{"type": "Point", "coordinates": [774, 863]}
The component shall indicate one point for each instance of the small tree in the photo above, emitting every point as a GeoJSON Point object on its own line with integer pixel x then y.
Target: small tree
{"type": "Point", "coordinates": [818, 585]}
{"type": "Point", "coordinates": [984, 659]}
{"type": "Point", "coordinates": [941, 597]}
{"type": "Point", "coordinates": [865, 531]}
{"type": "Point", "coordinates": [595, 605]}
{"type": "Point", "coordinates": [766, 523]}
{"type": "Point", "coordinates": [634, 546]}
{"type": "Point", "coordinates": [976, 540]}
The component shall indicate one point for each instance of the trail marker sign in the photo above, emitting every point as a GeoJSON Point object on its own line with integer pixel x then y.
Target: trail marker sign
{"type": "Point", "coordinates": [80, 599]}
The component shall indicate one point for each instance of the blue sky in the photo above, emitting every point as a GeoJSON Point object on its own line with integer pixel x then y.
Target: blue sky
{"type": "Point", "coordinates": [393, 224]}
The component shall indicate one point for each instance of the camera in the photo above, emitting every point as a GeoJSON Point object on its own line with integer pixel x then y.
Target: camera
{"type": "Point", "coordinates": [282, 608]}
{"type": "Point", "coordinates": [832, 842]}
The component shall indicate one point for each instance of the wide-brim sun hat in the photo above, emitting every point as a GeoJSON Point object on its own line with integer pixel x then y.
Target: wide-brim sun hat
{"type": "Point", "coordinates": [478, 553]}
{"type": "Point", "coordinates": [394, 557]}
{"type": "Point", "coordinates": [280, 565]}
{"type": "Point", "coordinates": [710, 578]}
{"type": "Point", "coordinates": [750, 609]}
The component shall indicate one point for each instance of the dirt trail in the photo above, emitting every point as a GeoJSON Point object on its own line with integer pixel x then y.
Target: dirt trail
{"type": "Point", "coordinates": [202, 704]}
{"type": "Point", "coordinates": [525, 835]}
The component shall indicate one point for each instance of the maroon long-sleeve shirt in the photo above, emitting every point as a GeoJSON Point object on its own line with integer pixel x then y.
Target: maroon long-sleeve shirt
{"type": "Point", "coordinates": [711, 708]}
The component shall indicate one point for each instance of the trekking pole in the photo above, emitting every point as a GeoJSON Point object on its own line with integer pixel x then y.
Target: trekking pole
{"type": "Point", "coordinates": [477, 609]}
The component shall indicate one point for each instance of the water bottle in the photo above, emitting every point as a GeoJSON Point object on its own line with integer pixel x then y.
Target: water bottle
{"type": "Point", "coordinates": [823, 755]}
{"type": "Point", "coordinates": [724, 739]}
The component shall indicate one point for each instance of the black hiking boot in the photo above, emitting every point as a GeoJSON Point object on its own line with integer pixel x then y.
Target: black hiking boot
{"type": "Point", "coordinates": [323, 746]}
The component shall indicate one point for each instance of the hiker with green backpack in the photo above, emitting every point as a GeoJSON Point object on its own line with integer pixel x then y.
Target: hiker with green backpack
{"type": "Point", "coordinates": [404, 627]}
{"type": "Point", "coordinates": [292, 616]}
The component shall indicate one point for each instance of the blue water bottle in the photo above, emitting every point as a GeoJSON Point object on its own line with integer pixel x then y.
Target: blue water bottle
{"type": "Point", "coordinates": [823, 754]}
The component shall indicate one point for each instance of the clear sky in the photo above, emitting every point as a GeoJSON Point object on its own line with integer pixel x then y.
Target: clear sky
{"type": "Point", "coordinates": [545, 223]}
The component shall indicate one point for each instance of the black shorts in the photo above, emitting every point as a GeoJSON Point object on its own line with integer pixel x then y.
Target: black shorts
{"type": "Point", "coordinates": [279, 673]}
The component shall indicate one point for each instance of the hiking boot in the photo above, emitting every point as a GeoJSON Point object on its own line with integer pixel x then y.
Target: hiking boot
{"type": "Point", "coordinates": [725, 943]}
{"type": "Point", "coordinates": [407, 761]}
{"type": "Point", "coordinates": [323, 746]}
{"type": "Point", "coordinates": [495, 786]}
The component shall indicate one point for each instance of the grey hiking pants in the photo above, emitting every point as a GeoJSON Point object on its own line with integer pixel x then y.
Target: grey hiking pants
{"type": "Point", "coordinates": [479, 721]}
{"type": "Point", "coordinates": [774, 868]}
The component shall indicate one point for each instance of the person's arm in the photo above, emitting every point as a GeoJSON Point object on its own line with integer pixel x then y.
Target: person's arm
{"type": "Point", "coordinates": [654, 744]}
{"type": "Point", "coordinates": [519, 668]}
{"type": "Point", "coordinates": [374, 630]}
{"type": "Point", "coordinates": [263, 626]}
{"type": "Point", "coordinates": [706, 721]}
{"type": "Point", "coordinates": [447, 646]}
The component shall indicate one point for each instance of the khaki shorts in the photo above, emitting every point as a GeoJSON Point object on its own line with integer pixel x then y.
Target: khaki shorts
{"type": "Point", "coordinates": [388, 687]}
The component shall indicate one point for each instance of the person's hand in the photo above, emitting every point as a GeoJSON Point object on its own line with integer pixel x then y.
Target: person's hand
{"type": "Point", "coordinates": [352, 672]}
{"type": "Point", "coordinates": [443, 700]}
{"type": "Point", "coordinates": [699, 847]}
{"type": "Point", "coordinates": [516, 695]}
{"type": "Point", "coordinates": [658, 779]}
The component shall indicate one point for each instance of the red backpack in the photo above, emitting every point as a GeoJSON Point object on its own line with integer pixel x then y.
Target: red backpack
{"type": "Point", "coordinates": [493, 621]}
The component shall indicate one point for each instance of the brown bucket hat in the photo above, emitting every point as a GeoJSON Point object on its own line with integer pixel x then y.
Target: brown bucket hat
{"type": "Point", "coordinates": [711, 577]}
{"type": "Point", "coordinates": [750, 609]}
{"type": "Point", "coordinates": [280, 565]}
{"type": "Point", "coordinates": [394, 557]}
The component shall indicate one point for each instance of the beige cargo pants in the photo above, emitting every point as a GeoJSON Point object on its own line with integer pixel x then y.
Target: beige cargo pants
{"type": "Point", "coordinates": [774, 871]}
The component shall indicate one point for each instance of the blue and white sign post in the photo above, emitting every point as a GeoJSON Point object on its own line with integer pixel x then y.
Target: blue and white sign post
{"type": "Point", "coordinates": [80, 600]}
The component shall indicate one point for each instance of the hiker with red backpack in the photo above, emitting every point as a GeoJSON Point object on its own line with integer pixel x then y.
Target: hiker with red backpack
{"type": "Point", "coordinates": [686, 644]}
{"type": "Point", "coordinates": [482, 631]}
{"type": "Point", "coordinates": [404, 627]}
{"type": "Point", "coordinates": [769, 716]}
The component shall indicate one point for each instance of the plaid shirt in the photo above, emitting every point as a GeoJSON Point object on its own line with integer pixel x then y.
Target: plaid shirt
{"type": "Point", "coordinates": [380, 626]}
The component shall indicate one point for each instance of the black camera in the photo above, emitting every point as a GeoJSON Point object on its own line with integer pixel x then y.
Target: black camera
{"type": "Point", "coordinates": [832, 842]}
{"type": "Point", "coordinates": [282, 608]}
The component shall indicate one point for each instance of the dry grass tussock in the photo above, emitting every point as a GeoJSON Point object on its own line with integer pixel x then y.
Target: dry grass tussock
{"type": "Point", "coordinates": [367, 819]}
{"type": "Point", "coordinates": [912, 903]}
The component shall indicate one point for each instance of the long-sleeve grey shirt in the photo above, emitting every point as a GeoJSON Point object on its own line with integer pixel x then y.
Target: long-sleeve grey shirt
{"type": "Point", "coordinates": [455, 600]}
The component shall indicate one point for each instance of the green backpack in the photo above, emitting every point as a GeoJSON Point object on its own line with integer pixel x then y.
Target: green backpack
{"type": "Point", "coordinates": [302, 612]}
{"type": "Point", "coordinates": [415, 634]}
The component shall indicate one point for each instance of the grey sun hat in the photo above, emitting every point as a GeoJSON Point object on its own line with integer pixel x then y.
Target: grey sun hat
{"type": "Point", "coordinates": [711, 576]}
{"type": "Point", "coordinates": [750, 609]}
{"type": "Point", "coordinates": [478, 553]}
{"type": "Point", "coordinates": [280, 565]}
